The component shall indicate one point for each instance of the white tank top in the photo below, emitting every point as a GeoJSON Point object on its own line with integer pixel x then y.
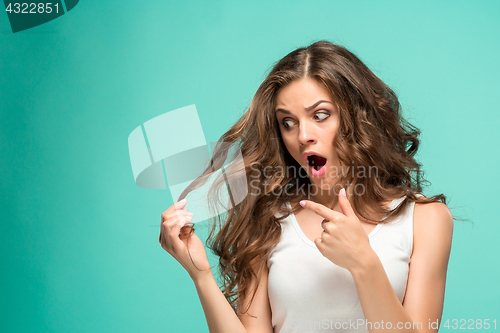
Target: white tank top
{"type": "Point", "coordinates": [309, 293]}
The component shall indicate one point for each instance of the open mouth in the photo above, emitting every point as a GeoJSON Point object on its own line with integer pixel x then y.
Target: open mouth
{"type": "Point", "coordinates": [317, 165]}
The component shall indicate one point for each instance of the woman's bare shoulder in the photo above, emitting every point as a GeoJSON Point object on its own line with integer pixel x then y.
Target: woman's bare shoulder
{"type": "Point", "coordinates": [432, 222]}
{"type": "Point", "coordinates": [432, 212]}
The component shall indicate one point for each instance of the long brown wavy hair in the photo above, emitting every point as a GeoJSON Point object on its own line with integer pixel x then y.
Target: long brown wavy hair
{"type": "Point", "coordinates": [372, 133]}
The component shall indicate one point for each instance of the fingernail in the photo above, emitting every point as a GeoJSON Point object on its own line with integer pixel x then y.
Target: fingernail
{"type": "Point", "coordinates": [342, 192]}
{"type": "Point", "coordinates": [189, 218]}
{"type": "Point", "coordinates": [183, 200]}
{"type": "Point", "coordinates": [302, 203]}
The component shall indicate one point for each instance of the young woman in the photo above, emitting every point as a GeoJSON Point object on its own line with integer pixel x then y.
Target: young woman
{"type": "Point", "coordinates": [334, 233]}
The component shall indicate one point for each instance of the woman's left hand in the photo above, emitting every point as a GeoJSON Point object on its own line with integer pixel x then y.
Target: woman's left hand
{"type": "Point", "coordinates": [343, 240]}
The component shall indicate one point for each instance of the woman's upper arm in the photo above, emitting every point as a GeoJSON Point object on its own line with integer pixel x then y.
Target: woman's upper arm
{"type": "Point", "coordinates": [432, 235]}
{"type": "Point", "coordinates": [260, 307]}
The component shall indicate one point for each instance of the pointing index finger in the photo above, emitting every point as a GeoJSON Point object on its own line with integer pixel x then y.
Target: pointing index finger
{"type": "Point", "coordinates": [319, 209]}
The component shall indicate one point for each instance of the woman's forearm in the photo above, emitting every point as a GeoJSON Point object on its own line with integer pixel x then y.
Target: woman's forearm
{"type": "Point", "coordinates": [379, 301]}
{"type": "Point", "coordinates": [220, 316]}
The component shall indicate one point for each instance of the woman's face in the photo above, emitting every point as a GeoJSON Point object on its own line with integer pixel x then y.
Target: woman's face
{"type": "Point", "coordinates": [308, 120]}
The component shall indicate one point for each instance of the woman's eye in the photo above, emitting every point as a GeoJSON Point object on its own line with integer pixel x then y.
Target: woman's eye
{"type": "Point", "coordinates": [287, 123]}
{"type": "Point", "coordinates": [322, 115]}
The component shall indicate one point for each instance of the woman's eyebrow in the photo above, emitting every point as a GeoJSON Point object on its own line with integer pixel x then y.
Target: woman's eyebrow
{"type": "Point", "coordinates": [307, 109]}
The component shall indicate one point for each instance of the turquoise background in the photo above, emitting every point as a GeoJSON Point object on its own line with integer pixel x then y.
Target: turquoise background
{"type": "Point", "coordinates": [79, 239]}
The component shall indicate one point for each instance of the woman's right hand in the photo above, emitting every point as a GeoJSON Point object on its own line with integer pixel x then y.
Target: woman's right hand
{"type": "Point", "coordinates": [175, 239]}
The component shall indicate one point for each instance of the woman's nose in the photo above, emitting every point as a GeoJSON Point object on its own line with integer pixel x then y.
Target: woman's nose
{"type": "Point", "coordinates": [306, 134]}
